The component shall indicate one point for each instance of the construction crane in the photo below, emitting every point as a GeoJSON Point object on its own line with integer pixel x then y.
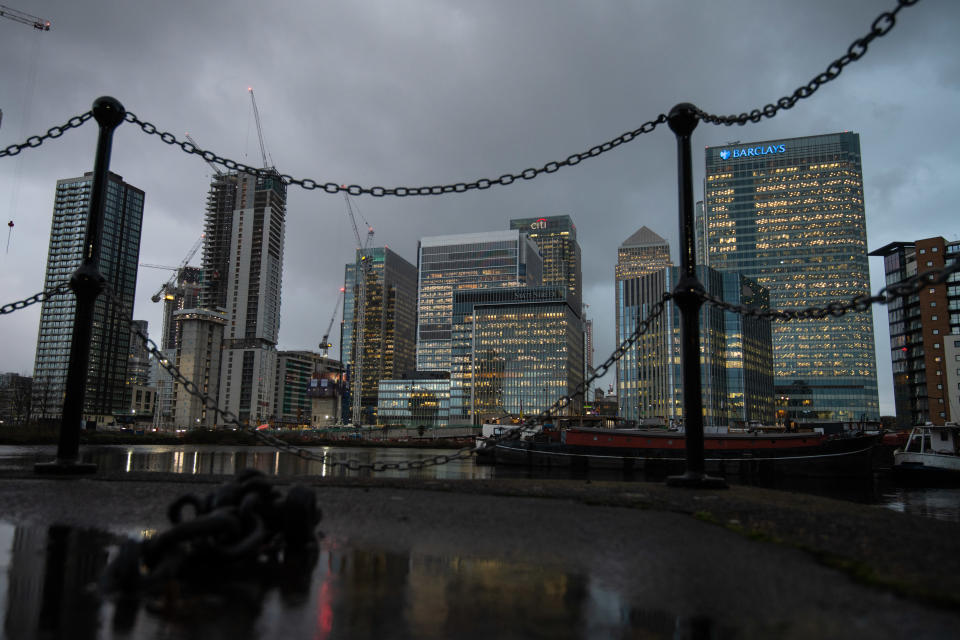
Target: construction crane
{"type": "Point", "coordinates": [170, 285]}
{"type": "Point", "coordinates": [213, 166]}
{"type": "Point", "coordinates": [24, 18]}
{"type": "Point", "coordinates": [256, 117]}
{"type": "Point", "coordinates": [325, 342]}
{"type": "Point", "coordinates": [362, 270]}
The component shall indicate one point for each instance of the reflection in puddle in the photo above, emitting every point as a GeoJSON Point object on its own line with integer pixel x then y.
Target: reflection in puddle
{"type": "Point", "coordinates": [49, 578]}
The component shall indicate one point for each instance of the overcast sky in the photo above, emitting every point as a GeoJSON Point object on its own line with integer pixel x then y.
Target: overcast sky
{"type": "Point", "coordinates": [392, 93]}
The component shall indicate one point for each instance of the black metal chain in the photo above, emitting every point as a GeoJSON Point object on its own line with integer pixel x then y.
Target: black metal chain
{"type": "Point", "coordinates": [57, 290]}
{"type": "Point", "coordinates": [881, 26]}
{"type": "Point", "coordinates": [435, 190]}
{"type": "Point", "coordinates": [53, 132]}
{"type": "Point", "coordinates": [836, 309]}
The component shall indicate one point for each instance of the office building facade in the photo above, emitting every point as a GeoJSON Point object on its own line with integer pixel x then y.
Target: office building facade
{"type": "Point", "coordinates": [514, 351]}
{"type": "Point", "coordinates": [197, 357]}
{"type": "Point", "coordinates": [105, 393]}
{"type": "Point", "coordinates": [386, 346]}
{"type": "Point", "coordinates": [789, 214]}
{"type": "Point", "coordinates": [184, 293]}
{"type": "Point", "coordinates": [467, 261]}
{"type": "Point", "coordinates": [243, 264]}
{"type": "Point", "coordinates": [736, 369]}
{"type": "Point", "coordinates": [924, 330]}
{"type": "Point", "coordinates": [643, 253]}
{"type": "Point", "coordinates": [415, 401]}
{"type": "Point", "coordinates": [556, 237]}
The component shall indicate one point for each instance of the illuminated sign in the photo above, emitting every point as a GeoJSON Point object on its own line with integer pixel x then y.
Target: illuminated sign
{"type": "Point", "coordinates": [539, 223]}
{"type": "Point", "coordinates": [743, 152]}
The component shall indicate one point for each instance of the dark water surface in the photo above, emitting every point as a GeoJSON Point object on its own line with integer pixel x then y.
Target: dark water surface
{"type": "Point", "coordinates": [880, 490]}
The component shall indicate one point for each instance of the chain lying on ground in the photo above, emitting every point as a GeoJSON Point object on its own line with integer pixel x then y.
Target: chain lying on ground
{"type": "Point", "coordinates": [880, 27]}
{"type": "Point", "coordinates": [836, 309]}
{"type": "Point", "coordinates": [434, 190]}
{"type": "Point", "coordinates": [244, 528]}
{"type": "Point", "coordinates": [266, 438]}
{"type": "Point", "coordinates": [59, 289]}
{"type": "Point", "coordinates": [53, 132]}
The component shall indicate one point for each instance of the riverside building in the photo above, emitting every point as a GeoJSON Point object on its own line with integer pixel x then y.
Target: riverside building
{"type": "Point", "coordinates": [110, 339]}
{"type": "Point", "coordinates": [924, 332]}
{"type": "Point", "coordinates": [736, 369]}
{"type": "Point", "coordinates": [789, 214]}
{"type": "Point", "coordinates": [515, 350]}
{"type": "Point", "coordinates": [465, 261]}
{"type": "Point", "coordinates": [642, 253]}
{"type": "Point", "coordinates": [556, 237]}
{"type": "Point", "coordinates": [386, 347]}
{"type": "Point", "coordinates": [243, 263]}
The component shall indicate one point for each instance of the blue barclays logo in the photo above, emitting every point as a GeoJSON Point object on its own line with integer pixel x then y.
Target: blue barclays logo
{"type": "Point", "coordinates": [753, 151]}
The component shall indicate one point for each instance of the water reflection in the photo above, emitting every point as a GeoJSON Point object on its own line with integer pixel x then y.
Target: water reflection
{"type": "Point", "coordinates": [48, 581]}
{"type": "Point", "coordinates": [878, 489]}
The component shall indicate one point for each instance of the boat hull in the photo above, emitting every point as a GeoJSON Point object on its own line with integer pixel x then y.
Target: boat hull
{"type": "Point", "coordinates": [830, 457]}
{"type": "Point", "coordinates": [926, 468]}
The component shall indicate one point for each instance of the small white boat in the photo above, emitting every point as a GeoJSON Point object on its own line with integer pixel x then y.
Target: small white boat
{"type": "Point", "coordinates": [931, 452]}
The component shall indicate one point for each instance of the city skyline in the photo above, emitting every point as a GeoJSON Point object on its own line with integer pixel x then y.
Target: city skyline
{"type": "Point", "coordinates": [898, 98]}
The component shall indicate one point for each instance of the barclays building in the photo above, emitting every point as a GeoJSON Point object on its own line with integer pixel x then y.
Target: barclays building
{"type": "Point", "coordinates": [790, 215]}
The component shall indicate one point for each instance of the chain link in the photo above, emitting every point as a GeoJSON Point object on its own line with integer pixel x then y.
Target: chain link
{"type": "Point", "coordinates": [53, 132]}
{"type": "Point", "coordinates": [57, 290]}
{"type": "Point", "coordinates": [836, 309]}
{"type": "Point", "coordinates": [435, 190]}
{"type": "Point", "coordinates": [881, 26]}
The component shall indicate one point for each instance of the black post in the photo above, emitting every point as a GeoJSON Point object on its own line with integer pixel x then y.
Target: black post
{"type": "Point", "coordinates": [686, 294]}
{"type": "Point", "coordinates": [87, 283]}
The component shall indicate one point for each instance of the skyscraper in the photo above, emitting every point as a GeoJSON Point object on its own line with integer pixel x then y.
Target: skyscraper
{"type": "Point", "coordinates": [642, 253]}
{"type": "Point", "coordinates": [736, 368]}
{"type": "Point", "coordinates": [924, 332]}
{"type": "Point", "coordinates": [790, 215]}
{"type": "Point", "coordinates": [110, 340]}
{"type": "Point", "coordinates": [556, 237]}
{"type": "Point", "coordinates": [183, 294]}
{"type": "Point", "coordinates": [466, 261]}
{"type": "Point", "coordinates": [515, 350]}
{"type": "Point", "coordinates": [243, 264]}
{"type": "Point", "coordinates": [389, 323]}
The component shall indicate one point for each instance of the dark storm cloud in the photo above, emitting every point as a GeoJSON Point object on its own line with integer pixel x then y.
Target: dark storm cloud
{"type": "Point", "coordinates": [392, 93]}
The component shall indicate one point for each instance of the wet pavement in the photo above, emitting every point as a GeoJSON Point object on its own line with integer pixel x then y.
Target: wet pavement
{"type": "Point", "coordinates": [407, 558]}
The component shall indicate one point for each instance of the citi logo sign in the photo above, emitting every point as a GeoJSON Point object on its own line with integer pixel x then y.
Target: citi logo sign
{"type": "Point", "coordinates": [726, 154]}
{"type": "Point", "coordinates": [539, 223]}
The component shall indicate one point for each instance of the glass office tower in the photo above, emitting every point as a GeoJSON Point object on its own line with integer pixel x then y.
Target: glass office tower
{"type": "Point", "coordinates": [790, 214]}
{"type": "Point", "coordinates": [736, 369]}
{"type": "Point", "coordinates": [556, 237]}
{"type": "Point", "coordinates": [466, 261]}
{"type": "Point", "coordinates": [389, 325]}
{"type": "Point", "coordinates": [110, 340]}
{"type": "Point", "coordinates": [514, 351]}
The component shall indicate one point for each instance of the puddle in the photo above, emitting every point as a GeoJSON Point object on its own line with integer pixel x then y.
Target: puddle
{"type": "Point", "coordinates": [49, 589]}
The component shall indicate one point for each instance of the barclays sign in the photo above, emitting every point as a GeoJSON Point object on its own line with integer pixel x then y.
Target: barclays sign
{"type": "Point", "coordinates": [743, 152]}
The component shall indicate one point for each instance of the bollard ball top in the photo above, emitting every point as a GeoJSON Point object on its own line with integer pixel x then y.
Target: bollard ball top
{"type": "Point", "coordinates": [108, 111]}
{"type": "Point", "coordinates": [683, 119]}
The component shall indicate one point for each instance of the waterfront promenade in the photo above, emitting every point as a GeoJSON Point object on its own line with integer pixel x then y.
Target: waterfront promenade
{"type": "Point", "coordinates": [742, 562]}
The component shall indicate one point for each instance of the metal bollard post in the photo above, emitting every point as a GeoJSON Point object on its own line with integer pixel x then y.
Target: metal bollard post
{"type": "Point", "coordinates": [686, 294]}
{"type": "Point", "coordinates": [87, 283]}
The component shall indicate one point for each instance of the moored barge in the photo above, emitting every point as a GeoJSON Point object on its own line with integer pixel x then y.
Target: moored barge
{"type": "Point", "coordinates": [806, 454]}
